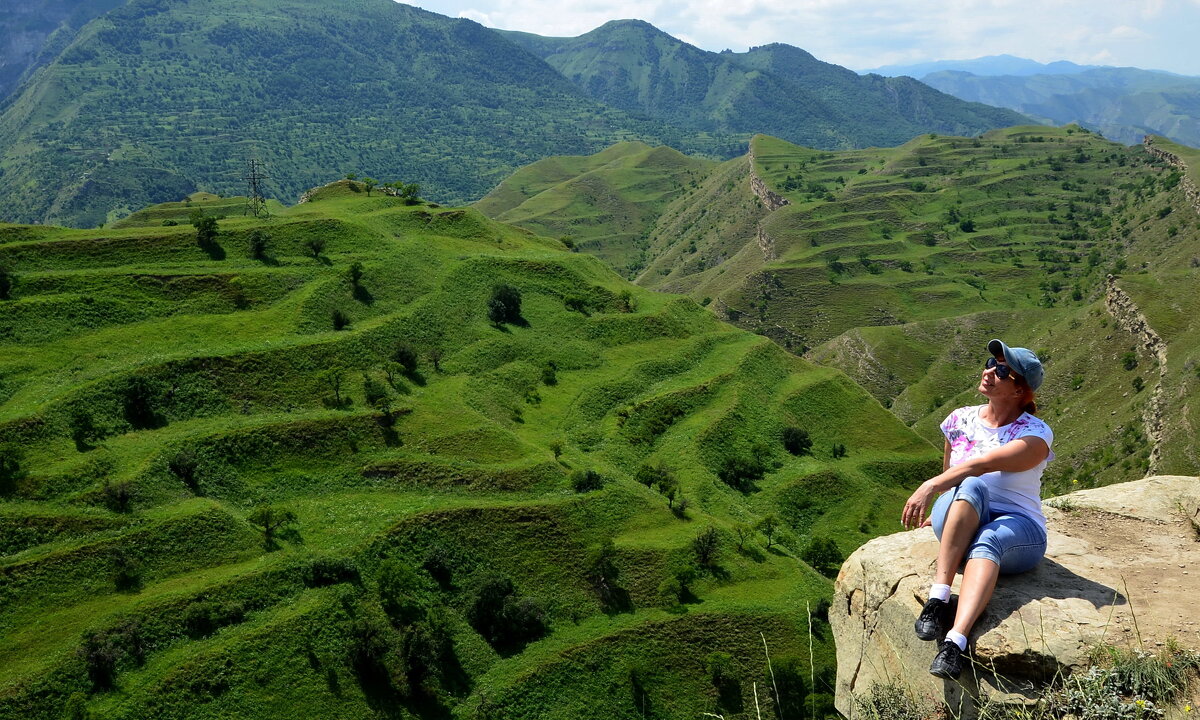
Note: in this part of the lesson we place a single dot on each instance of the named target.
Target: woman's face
(992, 385)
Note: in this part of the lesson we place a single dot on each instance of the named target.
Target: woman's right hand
(914, 510)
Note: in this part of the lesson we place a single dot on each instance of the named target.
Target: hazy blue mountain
(1124, 104)
(989, 65)
(776, 89)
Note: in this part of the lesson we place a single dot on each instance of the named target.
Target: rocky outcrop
(1123, 567)
(770, 199)
(1189, 187)
(1127, 315)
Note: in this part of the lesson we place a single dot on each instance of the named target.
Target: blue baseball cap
(1023, 361)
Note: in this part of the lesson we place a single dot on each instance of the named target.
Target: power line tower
(256, 204)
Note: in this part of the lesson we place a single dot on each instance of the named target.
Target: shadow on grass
(212, 249)
(363, 295)
(751, 552)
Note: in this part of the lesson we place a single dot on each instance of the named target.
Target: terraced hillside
(325, 461)
(896, 265)
(603, 204)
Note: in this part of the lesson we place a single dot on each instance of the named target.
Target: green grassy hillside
(315, 474)
(897, 265)
(602, 204)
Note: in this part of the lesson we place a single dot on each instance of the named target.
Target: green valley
(370, 457)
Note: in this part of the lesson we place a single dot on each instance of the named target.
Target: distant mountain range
(147, 102)
(988, 65)
(1123, 103)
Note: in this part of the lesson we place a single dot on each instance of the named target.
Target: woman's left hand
(914, 510)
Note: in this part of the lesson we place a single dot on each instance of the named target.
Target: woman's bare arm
(1016, 456)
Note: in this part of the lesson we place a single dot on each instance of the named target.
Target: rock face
(1122, 567)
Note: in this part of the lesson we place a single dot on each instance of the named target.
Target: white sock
(958, 639)
(941, 592)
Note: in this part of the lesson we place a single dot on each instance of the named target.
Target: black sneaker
(948, 662)
(934, 620)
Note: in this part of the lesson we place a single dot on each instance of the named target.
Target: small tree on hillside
(504, 306)
(316, 246)
(409, 192)
(369, 183)
(769, 526)
(405, 356)
(355, 273)
(796, 441)
(332, 379)
(824, 556)
(272, 522)
(705, 546)
(206, 227)
(259, 240)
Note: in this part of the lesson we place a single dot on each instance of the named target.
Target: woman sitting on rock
(990, 510)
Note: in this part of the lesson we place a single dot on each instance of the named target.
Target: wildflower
(1187, 708)
(1140, 703)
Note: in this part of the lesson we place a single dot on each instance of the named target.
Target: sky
(863, 34)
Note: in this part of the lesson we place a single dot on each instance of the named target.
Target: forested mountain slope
(159, 98)
(775, 89)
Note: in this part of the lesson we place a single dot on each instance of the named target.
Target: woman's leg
(979, 580)
(956, 529)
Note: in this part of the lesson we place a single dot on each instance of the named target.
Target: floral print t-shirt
(969, 437)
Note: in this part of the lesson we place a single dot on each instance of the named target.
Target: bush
(406, 357)
(503, 618)
(601, 572)
(550, 373)
(439, 563)
(705, 546)
(11, 471)
(102, 651)
(824, 556)
(204, 618)
(577, 303)
(340, 319)
(652, 474)
(583, 481)
(139, 398)
(838, 451)
(504, 306)
(84, 430)
(117, 497)
(126, 574)
(355, 273)
(316, 246)
(325, 571)
(185, 466)
(740, 472)
(428, 648)
(258, 244)
(376, 394)
(7, 282)
(399, 587)
(796, 441)
(1129, 360)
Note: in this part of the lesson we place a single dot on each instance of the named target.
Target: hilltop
(775, 89)
(897, 265)
(323, 460)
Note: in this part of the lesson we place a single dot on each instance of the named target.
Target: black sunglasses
(1002, 371)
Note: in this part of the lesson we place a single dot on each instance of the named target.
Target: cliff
(1120, 569)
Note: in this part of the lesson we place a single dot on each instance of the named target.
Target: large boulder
(1121, 568)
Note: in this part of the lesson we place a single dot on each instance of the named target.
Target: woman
(990, 510)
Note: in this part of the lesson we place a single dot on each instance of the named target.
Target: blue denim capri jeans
(1012, 540)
